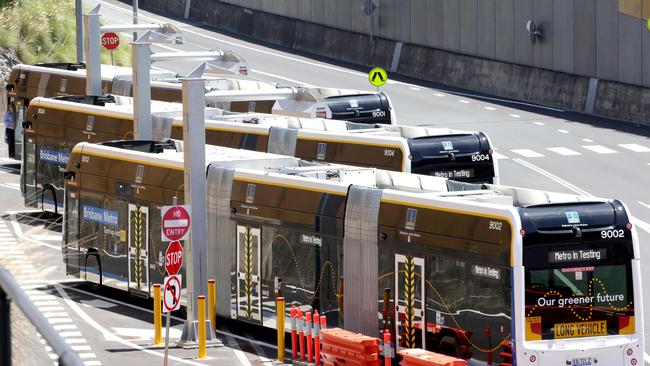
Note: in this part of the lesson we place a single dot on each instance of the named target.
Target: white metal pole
(141, 65)
(79, 9)
(93, 56)
(195, 196)
(135, 17)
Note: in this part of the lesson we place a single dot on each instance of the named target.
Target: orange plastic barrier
(420, 357)
(340, 347)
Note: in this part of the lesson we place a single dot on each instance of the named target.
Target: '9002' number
(496, 225)
(609, 234)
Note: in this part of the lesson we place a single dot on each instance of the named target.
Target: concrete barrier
(549, 88)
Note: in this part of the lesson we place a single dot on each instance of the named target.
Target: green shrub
(45, 31)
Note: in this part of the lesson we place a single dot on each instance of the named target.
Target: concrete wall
(605, 39)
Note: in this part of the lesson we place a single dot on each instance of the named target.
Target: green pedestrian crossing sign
(377, 76)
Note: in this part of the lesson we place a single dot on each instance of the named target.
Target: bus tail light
(628, 226)
(490, 151)
(522, 232)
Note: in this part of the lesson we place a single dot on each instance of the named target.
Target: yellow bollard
(212, 304)
(157, 315)
(280, 325)
(201, 309)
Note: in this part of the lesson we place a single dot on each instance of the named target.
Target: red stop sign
(173, 258)
(175, 223)
(110, 40)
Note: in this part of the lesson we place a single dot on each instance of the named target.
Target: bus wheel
(50, 189)
(449, 346)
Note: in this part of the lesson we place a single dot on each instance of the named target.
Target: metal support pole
(5, 328)
(93, 56)
(141, 65)
(135, 17)
(195, 196)
(79, 9)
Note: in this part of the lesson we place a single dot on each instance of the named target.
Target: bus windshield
(576, 291)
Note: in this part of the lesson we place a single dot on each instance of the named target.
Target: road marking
(59, 320)
(414, 88)
(255, 71)
(497, 155)
(588, 140)
(93, 363)
(552, 177)
(562, 131)
(600, 149)
(70, 334)
(490, 108)
(79, 348)
(463, 101)
(514, 115)
(563, 151)
(55, 314)
(65, 327)
(87, 355)
(527, 153)
(539, 123)
(644, 204)
(107, 334)
(634, 147)
(439, 95)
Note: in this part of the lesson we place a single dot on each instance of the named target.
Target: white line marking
(644, 204)
(490, 108)
(59, 314)
(65, 327)
(46, 303)
(497, 155)
(70, 334)
(10, 187)
(75, 340)
(463, 101)
(634, 147)
(80, 348)
(46, 237)
(87, 355)
(588, 140)
(439, 95)
(59, 320)
(255, 71)
(563, 151)
(646, 358)
(600, 149)
(50, 308)
(107, 334)
(414, 88)
(539, 123)
(514, 115)
(92, 363)
(562, 131)
(552, 177)
(527, 153)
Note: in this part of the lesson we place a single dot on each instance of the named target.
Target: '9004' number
(480, 157)
(609, 234)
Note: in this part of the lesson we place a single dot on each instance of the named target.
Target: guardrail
(11, 291)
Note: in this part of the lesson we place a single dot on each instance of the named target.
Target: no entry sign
(172, 293)
(173, 258)
(175, 222)
(110, 40)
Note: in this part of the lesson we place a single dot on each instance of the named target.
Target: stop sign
(110, 40)
(175, 222)
(173, 258)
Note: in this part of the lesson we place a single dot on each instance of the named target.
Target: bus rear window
(580, 293)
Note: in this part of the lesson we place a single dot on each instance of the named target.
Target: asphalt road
(537, 148)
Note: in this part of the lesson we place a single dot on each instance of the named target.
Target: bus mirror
(68, 175)
(577, 231)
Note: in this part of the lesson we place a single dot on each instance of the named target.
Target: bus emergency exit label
(175, 222)
(581, 329)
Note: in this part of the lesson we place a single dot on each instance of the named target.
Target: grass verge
(45, 31)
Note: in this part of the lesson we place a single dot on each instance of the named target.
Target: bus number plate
(496, 225)
(582, 361)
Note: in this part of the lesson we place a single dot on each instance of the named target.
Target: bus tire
(95, 254)
(449, 346)
(50, 188)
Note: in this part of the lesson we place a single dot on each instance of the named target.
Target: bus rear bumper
(625, 350)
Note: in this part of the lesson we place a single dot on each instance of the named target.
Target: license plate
(583, 361)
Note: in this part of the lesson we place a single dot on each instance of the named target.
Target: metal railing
(11, 291)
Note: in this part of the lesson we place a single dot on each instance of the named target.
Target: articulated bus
(477, 271)
(27, 82)
(54, 126)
